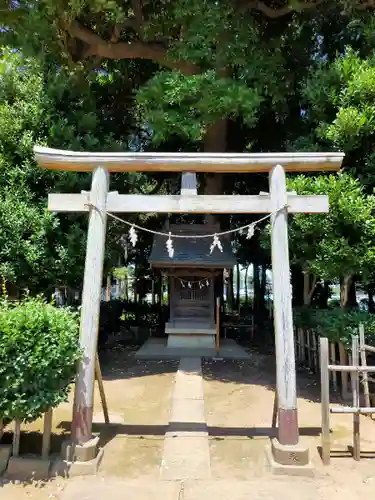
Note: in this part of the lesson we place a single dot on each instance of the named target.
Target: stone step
(191, 341)
(190, 329)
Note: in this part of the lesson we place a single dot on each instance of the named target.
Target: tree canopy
(191, 75)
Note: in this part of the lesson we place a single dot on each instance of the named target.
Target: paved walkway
(186, 453)
(271, 489)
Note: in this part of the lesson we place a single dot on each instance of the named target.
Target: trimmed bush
(39, 348)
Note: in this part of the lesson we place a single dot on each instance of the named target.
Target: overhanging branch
(126, 50)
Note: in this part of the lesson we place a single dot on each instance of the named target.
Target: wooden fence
(359, 371)
(307, 355)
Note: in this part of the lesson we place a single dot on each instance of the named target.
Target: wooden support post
(217, 325)
(153, 291)
(99, 378)
(355, 393)
(344, 375)
(47, 430)
(362, 349)
(324, 383)
(275, 411)
(16, 438)
(92, 283)
(283, 316)
(108, 289)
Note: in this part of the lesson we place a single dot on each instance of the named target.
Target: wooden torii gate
(100, 164)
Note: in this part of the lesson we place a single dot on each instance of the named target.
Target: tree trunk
(246, 287)
(345, 284)
(352, 295)
(238, 286)
(262, 294)
(230, 292)
(257, 291)
(297, 285)
(215, 141)
(371, 305)
(322, 294)
(309, 283)
(126, 285)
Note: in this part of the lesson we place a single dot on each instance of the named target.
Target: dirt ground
(138, 396)
(239, 401)
(238, 405)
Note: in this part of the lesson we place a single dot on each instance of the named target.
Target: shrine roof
(192, 251)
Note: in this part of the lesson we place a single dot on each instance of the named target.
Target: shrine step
(177, 328)
(191, 341)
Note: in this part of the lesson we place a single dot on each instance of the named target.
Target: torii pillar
(285, 451)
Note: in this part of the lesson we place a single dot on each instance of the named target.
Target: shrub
(338, 325)
(39, 348)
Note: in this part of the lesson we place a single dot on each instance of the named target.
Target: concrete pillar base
(66, 468)
(27, 468)
(72, 452)
(289, 460)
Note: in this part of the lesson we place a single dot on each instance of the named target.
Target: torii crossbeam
(100, 164)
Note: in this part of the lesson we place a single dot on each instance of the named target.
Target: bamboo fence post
(47, 430)
(344, 375)
(355, 394)
(333, 362)
(315, 352)
(98, 374)
(362, 349)
(16, 438)
(324, 382)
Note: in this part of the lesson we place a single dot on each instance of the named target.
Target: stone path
(186, 451)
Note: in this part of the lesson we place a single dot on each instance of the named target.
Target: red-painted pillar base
(82, 424)
(288, 427)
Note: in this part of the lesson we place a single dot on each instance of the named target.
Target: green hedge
(39, 348)
(336, 324)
